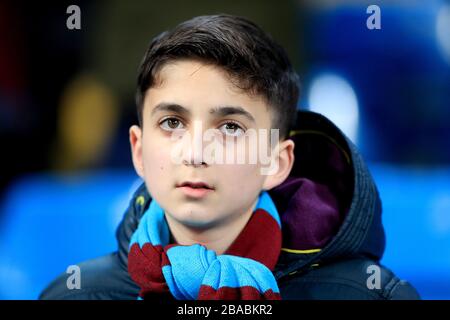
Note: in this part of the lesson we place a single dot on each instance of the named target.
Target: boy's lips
(195, 189)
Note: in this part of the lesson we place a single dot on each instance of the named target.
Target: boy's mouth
(195, 189)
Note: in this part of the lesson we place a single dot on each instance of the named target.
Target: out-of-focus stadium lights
(439, 209)
(443, 30)
(333, 96)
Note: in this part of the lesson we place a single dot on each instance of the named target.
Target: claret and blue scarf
(193, 272)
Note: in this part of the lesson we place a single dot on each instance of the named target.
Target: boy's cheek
(237, 174)
(156, 161)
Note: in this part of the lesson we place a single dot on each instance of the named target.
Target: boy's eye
(231, 129)
(171, 124)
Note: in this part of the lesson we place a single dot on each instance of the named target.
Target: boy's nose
(193, 148)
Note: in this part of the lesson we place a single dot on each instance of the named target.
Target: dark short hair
(252, 59)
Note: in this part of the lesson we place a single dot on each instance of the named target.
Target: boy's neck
(218, 238)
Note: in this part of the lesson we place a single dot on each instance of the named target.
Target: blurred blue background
(66, 102)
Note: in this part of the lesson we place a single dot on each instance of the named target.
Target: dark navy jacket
(333, 238)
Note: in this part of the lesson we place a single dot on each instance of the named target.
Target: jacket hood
(329, 205)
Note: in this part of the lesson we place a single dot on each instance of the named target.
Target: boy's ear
(136, 149)
(283, 158)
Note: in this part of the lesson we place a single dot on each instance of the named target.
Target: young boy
(228, 209)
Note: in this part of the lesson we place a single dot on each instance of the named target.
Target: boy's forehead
(192, 83)
(185, 71)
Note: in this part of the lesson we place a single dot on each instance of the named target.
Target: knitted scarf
(192, 272)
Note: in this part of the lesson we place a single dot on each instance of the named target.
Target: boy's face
(190, 99)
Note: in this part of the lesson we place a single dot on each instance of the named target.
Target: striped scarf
(193, 272)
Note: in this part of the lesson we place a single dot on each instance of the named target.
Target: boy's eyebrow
(220, 111)
(172, 107)
(223, 111)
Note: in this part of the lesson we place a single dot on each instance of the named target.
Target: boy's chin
(198, 221)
